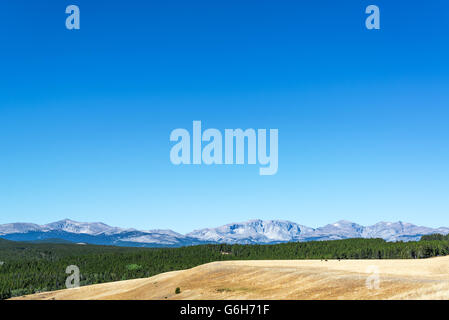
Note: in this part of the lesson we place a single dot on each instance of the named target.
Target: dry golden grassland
(280, 279)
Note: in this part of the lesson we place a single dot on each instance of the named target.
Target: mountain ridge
(254, 231)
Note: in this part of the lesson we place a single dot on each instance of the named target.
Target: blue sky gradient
(85, 115)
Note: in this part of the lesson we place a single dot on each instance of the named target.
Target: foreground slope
(280, 279)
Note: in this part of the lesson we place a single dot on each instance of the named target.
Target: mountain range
(249, 232)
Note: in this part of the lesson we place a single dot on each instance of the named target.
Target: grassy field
(281, 279)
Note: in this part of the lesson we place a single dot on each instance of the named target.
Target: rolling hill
(279, 279)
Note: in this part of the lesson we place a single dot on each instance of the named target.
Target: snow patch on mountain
(253, 231)
(18, 228)
(92, 228)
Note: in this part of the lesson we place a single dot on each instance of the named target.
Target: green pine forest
(27, 268)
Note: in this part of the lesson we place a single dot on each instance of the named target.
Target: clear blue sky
(85, 116)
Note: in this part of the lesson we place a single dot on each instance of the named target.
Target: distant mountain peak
(72, 226)
(255, 231)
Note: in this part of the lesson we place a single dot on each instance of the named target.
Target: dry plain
(280, 279)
